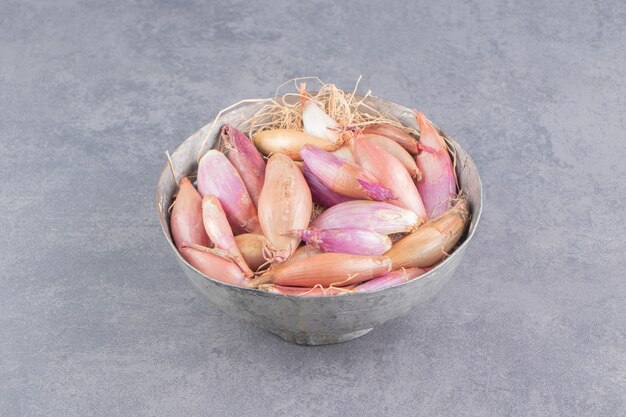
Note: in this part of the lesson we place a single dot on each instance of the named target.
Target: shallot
(246, 159)
(186, 218)
(432, 241)
(438, 183)
(344, 177)
(325, 269)
(214, 266)
(218, 177)
(251, 247)
(394, 149)
(391, 173)
(220, 233)
(396, 277)
(285, 204)
(320, 192)
(407, 141)
(377, 216)
(354, 241)
(289, 142)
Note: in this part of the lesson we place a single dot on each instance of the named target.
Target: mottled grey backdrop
(96, 318)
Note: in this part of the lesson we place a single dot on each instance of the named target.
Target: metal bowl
(315, 320)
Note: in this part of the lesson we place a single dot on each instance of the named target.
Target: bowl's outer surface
(315, 320)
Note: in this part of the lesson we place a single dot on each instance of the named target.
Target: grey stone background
(96, 318)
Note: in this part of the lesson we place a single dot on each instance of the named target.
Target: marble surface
(97, 319)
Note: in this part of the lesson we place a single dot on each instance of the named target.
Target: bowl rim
(475, 219)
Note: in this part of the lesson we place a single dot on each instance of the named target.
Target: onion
(220, 233)
(407, 141)
(344, 177)
(289, 142)
(377, 216)
(434, 240)
(396, 151)
(354, 241)
(438, 184)
(325, 269)
(218, 177)
(246, 159)
(388, 280)
(391, 173)
(317, 123)
(214, 266)
(285, 204)
(251, 247)
(186, 218)
(320, 192)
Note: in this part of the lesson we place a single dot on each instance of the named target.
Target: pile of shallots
(314, 211)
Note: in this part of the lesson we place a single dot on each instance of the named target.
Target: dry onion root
(330, 148)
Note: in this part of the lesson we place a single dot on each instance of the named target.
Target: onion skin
(344, 177)
(391, 174)
(285, 204)
(405, 140)
(213, 266)
(325, 269)
(397, 151)
(438, 184)
(431, 242)
(251, 247)
(396, 277)
(289, 142)
(186, 217)
(353, 241)
(380, 217)
(320, 192)
(218, 177)
(304, 291)
(219, 231)
(246, 159)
